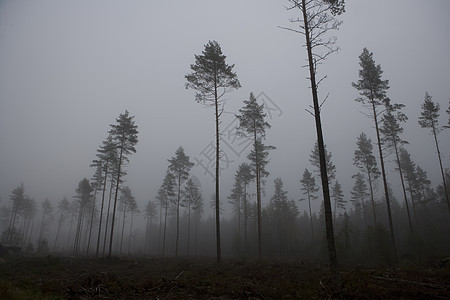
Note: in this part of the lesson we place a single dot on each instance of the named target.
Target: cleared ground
(201, 278)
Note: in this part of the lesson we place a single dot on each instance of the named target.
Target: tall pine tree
(212, 78)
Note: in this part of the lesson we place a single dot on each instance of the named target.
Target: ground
(200, 278)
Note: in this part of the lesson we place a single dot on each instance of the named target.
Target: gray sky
(69, 68)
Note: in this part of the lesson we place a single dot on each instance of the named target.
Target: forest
(394, 215)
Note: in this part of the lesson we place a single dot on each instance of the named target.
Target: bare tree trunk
(115, 201)
(165, 227)
(386, 191)
(372, 197)
(178, 216)
(189, 227)
(131, 227)
(123, 227)
(107, 216)
(442, 169)
(92, 222)
(403, 188)
(219, 251)
(323, 167)
(57, 231)
(101, 213)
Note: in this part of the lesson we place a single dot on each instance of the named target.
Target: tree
(83, 195)
(314, 159)
(359, 194)
(317, 19)
(429, 119)
(391, 130)
(365, 160)
(212, 78)
(252, 125)
(63, 208)
(309, 188)
(106, 161)
(409, 168)
(372, 90)
(133, 209)
(17, 199)
(127, 201)
(422, 183)
(197, 207)
(150, 214)
(165, 193)
(338, 196)
(283, 213)
(124, 136)
(29, 210)
(235, 200)
(180, 167)
(192, 194)
(47, 211)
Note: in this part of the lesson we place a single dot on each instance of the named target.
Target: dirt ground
(201, 278)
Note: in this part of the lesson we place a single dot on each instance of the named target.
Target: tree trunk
(219, 251)
(115, 200)
(107, 215)
(131, 227)
(442, 169)
(323, 167)
(386, 191)
(258, 194)
(245, 220)
(403, 188)
(57, 231)
(101, 212)
(92, 222)
(123, 227)
(189, 225)
(165, 226)
(178, 216)
(371, 196)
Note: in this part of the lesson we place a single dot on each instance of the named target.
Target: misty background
(69, 68)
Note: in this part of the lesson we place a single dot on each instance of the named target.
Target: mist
(69, 69)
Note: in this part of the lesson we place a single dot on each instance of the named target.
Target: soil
(201, 278)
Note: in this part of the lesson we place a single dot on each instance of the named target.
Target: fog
(69, 68)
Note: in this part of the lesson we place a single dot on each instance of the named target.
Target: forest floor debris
(200, 278)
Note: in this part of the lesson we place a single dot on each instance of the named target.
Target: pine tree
(409, 169)
(317, 19)
(252, 125)
(212, 78)
(365, 160)
(359, 194)
(391, 130)
(107, 161)
(17, 199)
(165, 194)
(83, 196)
(64, 209)
(192, 195)
(309, 188)
(180, 166)
(124, 136)
(373, 91)
(279, 208)
(314, 159)
(429, 119)
(126, 202)
(150, 214)
(47, 211)
(338, 196)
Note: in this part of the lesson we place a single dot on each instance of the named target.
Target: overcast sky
(69, 68)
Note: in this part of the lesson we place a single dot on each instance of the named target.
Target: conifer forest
(241, 150)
